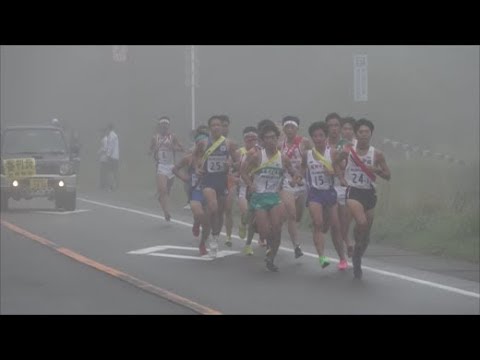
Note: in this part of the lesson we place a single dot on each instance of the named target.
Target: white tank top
(165, 149)
(269, 178)
(318, 176)
(354, 175)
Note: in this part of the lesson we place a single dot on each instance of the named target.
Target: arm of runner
(251, 162)
(236, 164)
(340, 156)
(176, 145)
(338, 163)
(197, 160)
(184, 162)
(232, 148)
(234, 157)
(305, 145)
(333, 154)
(297, 178)
(304, 164)
(381, 167)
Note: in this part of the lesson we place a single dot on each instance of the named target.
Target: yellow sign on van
(19, 168)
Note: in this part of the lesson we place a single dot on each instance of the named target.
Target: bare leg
(212, 210)
(316, 213)
(276, 216)
(162, 190)
(200, 217)
(345, 219)
(229, 214)
(288, 200)
(335, 231)
(360, 233)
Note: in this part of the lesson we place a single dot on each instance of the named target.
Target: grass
(431, 207)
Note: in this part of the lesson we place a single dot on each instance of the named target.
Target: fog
(425, 95)
(423, 101)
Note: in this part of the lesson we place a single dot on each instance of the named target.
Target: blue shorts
(216, 182)
(322, 197)
(197, 195)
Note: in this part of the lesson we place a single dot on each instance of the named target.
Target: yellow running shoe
(247, 250)
(242, 231)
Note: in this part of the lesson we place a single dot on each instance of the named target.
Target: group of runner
(273, 177)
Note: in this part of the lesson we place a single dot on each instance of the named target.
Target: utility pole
(192, 80)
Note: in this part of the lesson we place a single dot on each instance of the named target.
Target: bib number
(216, 164)
(318, 180)
(358, 178)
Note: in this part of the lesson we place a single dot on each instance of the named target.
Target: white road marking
(62, 212)
(155, 251)
(378, 271)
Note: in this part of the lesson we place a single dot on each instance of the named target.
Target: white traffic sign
(360, 78)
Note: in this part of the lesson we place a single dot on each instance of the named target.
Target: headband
(290, 122)
(200, 137)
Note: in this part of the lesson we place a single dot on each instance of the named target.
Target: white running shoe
(213, 246)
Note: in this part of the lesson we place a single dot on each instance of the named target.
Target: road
(117, 255)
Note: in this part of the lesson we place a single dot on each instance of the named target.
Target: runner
(232, 179)
(250, 138)
(257, 150)
(322, 198)
(197, 201)
(347, 132)
(163, 146)
(333, 121)
(186, 186)
(348, 137)
(213, 170)
(364, 162)
(293, 147)
(334, 141)
(267, 167)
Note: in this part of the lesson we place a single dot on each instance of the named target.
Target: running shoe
(271, 266)
(298, 252)
(242, 231)
(247, 250)
(323, 261)
(343, 265)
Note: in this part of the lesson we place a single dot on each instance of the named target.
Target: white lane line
(378, 271)
(62, 212)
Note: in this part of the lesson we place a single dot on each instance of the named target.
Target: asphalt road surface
(116, 255)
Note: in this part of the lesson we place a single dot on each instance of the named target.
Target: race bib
(269, 184)
(216, 164)
(165, 157)
(359, 178)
